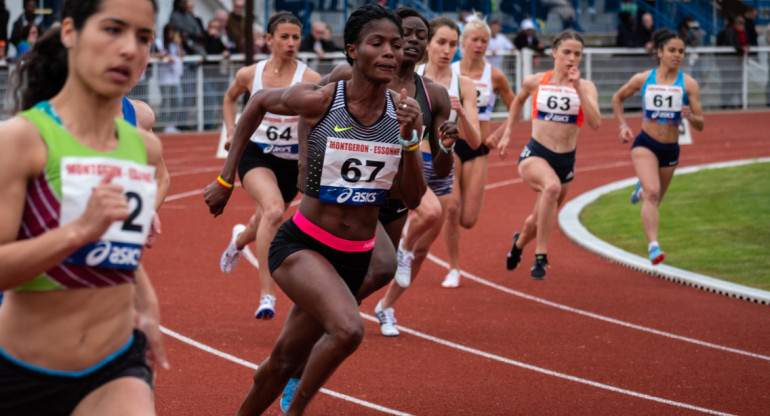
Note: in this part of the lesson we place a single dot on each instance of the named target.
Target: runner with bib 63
(561, 103)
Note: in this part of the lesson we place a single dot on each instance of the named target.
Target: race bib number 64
(121, 245)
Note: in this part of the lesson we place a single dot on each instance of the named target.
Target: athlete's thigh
(474, 179)
(646, 166)
(383, 252)
(262, 185)
(666, 175)
(312, 283)
(536, 173)
(125, 396)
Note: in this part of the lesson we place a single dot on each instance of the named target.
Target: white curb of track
(569, 221)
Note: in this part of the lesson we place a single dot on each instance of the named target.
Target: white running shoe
(387, 320)
(404, 270)
(231, 255)
(266, 308)
(452, 279)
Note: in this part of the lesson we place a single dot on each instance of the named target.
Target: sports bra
(663, 103)
(61, 193)
(556, 103)
(349, 163)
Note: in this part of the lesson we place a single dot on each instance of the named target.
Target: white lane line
(597, 316)
(554, 304)
(248, 364)
(549, 372)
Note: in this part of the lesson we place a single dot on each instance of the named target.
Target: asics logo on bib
(663, 114)
(356, 196)
(556, 117)
(117, 256)
(338, 129)
(99, 253)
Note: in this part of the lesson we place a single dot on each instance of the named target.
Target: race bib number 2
(121, 245)
(358, 172)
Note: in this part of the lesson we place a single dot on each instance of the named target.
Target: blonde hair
(476, 22)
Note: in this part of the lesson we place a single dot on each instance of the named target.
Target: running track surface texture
(593, 338)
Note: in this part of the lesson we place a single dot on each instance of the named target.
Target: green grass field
(714, 222)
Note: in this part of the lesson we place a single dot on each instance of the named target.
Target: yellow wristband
(224, 183)
(411, 148)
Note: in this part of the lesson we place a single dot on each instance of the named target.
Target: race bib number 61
(121, 245)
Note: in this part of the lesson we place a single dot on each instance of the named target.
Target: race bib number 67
(357, 172)
(121, 245)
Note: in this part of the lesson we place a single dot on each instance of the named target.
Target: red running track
(592, 339)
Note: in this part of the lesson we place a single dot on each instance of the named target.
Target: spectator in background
(644, 32)
(187, 26)
(526, 38)
(734, 35)
(26, 18)
(260, 44)
(221, 17)
(318, 40)
(629, 6)
(29, 35)
(212, 39)
(498, 42)
(191, 12)
(236, 21)
(627, 34)
(689, 30)
(169, 49)
(752, 37)
(5, 17)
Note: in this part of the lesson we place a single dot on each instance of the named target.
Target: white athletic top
(485, 94)
(454, 88)
(277, 134)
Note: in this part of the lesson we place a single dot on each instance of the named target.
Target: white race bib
(483, 92)
(663, 102)
(121, 245)
(277, 134)
(358, 172)
(557, 103)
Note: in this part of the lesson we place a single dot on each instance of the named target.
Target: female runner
(268, 168)
(421, 231)
(76, 206)
(668, 96)
(359, 136)
(561, 103)
(470, 171)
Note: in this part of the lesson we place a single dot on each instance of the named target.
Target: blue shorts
(27, 390)
(667, 153)
(285, 170)
(439, 186)
(561, 163)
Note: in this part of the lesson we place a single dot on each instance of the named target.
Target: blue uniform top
(129, 114)
(663, 103)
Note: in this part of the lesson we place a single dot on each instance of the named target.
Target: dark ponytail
(42, 71)
(661, 37)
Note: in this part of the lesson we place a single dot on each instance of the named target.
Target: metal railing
(195, 101)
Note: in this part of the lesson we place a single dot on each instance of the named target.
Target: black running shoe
(514, 257)
(538, 269)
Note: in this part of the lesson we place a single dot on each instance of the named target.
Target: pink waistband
(326, 238)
